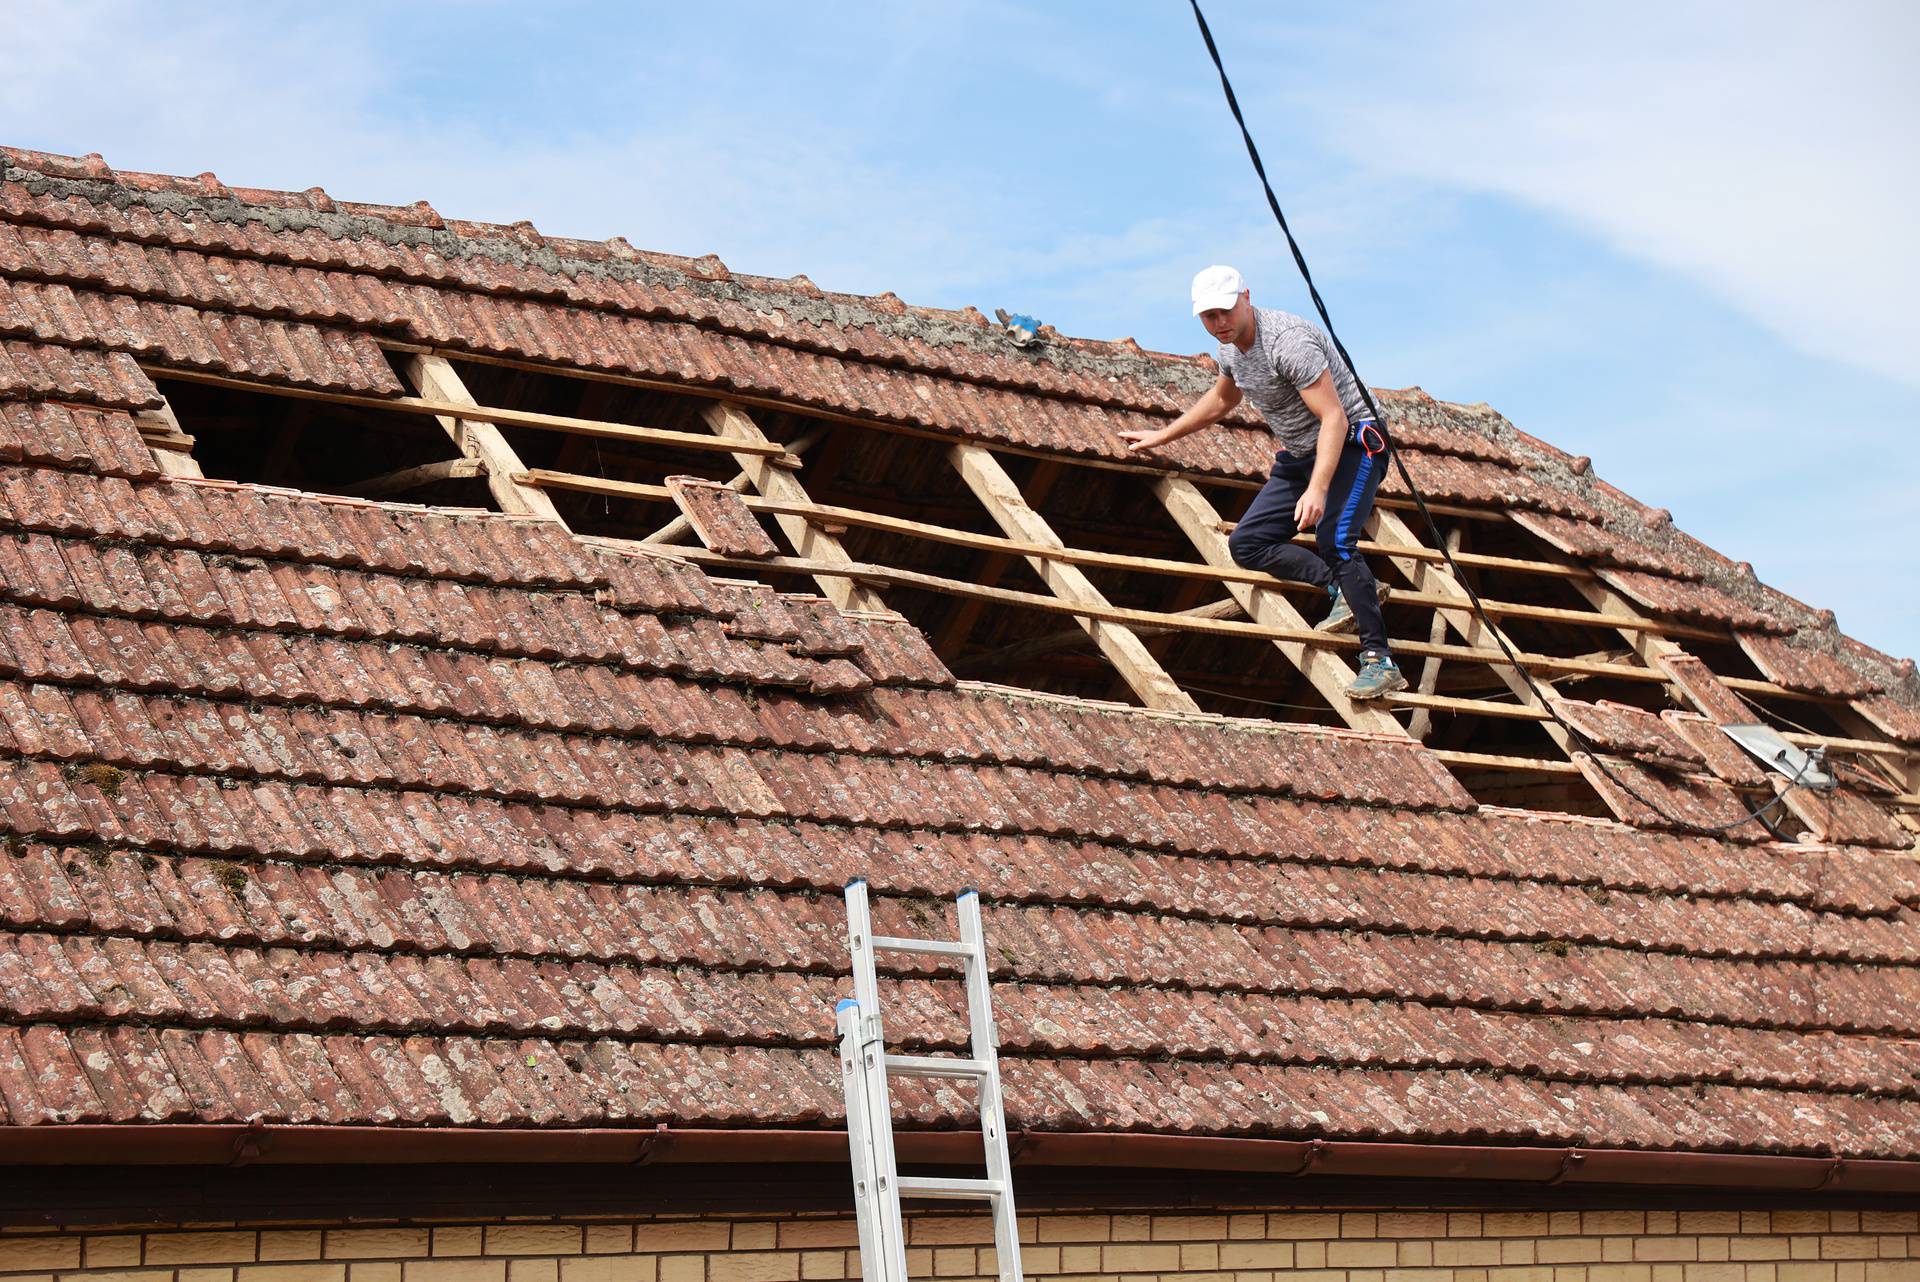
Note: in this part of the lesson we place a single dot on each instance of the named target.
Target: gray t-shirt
(1289, 352)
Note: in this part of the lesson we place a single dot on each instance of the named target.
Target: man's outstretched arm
(1214, 404)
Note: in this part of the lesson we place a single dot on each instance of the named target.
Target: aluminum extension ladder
(864, 1066)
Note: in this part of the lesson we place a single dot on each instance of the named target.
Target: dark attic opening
(1080, 576)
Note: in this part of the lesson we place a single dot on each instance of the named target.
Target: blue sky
(1675, 237)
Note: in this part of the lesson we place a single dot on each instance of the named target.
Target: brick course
(1387, 1245)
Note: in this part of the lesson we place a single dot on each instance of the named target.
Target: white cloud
(1763, 150)
(696, 155)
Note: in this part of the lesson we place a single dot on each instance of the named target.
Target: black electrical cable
(1574, 732)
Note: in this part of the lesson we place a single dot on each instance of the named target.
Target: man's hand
(1214, 404)
(1311, 507)
(1146, 438)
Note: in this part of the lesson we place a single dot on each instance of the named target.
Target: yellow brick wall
(1249, 1246)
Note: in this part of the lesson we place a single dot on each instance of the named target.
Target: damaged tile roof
(333, 812)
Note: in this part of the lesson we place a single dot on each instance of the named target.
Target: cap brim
(1215, 302)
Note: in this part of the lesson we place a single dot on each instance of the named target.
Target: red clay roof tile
(720, 518)
(1634, 732)
(1799, 667)
(1701, 602)
(1891, 717)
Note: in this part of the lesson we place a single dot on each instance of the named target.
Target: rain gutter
(244, 1145)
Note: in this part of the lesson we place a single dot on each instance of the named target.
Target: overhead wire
(1574, 733)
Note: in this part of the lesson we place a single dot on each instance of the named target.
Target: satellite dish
(1765, 744)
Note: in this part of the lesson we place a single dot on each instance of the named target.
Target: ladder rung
(938, 947)
(936, 1066)
(937, 1186)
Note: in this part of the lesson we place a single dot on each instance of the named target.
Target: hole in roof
(267, 439)
(899, 504)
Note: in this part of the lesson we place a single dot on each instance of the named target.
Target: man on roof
(1330, 458)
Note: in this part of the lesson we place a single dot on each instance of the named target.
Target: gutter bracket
(249, 1144)
(1568, 1165)
(1316, 1149)
(651, 1144)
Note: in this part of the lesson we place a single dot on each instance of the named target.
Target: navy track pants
(1263, 540)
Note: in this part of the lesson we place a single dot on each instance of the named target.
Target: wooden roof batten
(768, 483)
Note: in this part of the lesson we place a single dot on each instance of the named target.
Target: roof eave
(164, 1144)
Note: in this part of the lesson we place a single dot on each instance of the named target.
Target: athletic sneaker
(1378, 675)
(1340, 617)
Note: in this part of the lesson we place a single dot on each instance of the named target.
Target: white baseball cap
(1217, 287)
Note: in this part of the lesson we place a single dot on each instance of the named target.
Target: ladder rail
(868, 1189)
(870, 1069)
(985, 1036)
(865, 1066)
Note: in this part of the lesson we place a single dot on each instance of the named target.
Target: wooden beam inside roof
(471, 411)
(828, 516)
(479, 440)
(1423, 703)
(412, 478)
(1493, 761)
(1429, 681)
(1327, 672)
(766, 473)
(680, 527)
(1009, 509)
(778, 405)
(881, 575)
(1189, 596)
(1843, 743)
(172, 447)
(1068, 638)
(1437, 580)
(959, 624)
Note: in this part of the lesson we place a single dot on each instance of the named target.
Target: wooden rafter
(1436, 580)
(959, 625)
(1009, 509)
(1327, 672)
(412, 478)
(479, 439)
(1492, 761)
(1421, 724)
(766, 470)
(1651, 647)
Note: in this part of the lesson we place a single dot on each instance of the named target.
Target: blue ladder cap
(968, 891)
(843, 1003)
(857, 881)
